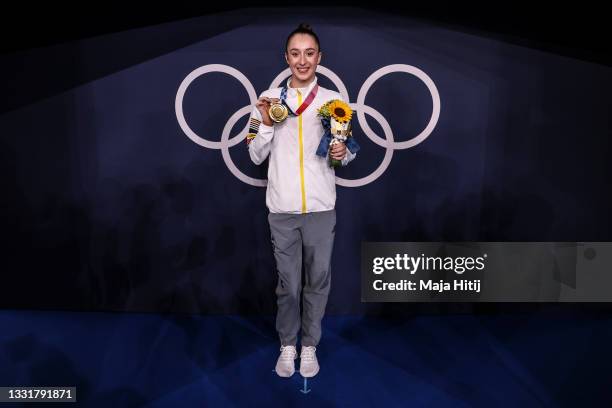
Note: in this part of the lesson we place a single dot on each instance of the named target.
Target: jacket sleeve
(259, 138)
(348, 158)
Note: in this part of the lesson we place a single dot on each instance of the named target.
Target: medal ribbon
(304, 104)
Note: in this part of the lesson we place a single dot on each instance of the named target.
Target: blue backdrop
(109, 205)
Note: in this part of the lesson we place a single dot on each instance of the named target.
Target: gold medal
(278, 112)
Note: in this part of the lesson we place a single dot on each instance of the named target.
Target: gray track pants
(310, 237)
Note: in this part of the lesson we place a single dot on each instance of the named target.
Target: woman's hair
(303, 29)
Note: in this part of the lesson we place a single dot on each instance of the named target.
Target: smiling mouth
(303, 69)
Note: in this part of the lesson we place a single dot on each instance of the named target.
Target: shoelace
(308, 353)
(287, 353)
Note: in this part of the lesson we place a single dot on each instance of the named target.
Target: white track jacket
(299, 181)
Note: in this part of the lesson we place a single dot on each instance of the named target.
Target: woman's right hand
(263, 105)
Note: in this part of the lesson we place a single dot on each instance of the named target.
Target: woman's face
(303, 56)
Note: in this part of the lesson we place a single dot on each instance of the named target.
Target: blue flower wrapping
(322, 150)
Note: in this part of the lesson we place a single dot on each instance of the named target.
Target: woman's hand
(263, 105)
(338, 151)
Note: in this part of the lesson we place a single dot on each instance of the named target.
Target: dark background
(544, 146)
(577, 29)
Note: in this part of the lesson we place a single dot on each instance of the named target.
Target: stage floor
(156, 360)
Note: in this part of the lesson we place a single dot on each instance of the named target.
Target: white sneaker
(285, 367)
(309, 366)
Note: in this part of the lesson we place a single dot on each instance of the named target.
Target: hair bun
(306, 29)
(304, 26)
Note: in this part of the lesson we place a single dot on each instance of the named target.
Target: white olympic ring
(388, 142)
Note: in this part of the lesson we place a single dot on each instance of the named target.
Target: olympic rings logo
(360, 107)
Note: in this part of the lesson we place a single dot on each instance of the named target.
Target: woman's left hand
(338, 151)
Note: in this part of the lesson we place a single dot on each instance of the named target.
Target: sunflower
(340, 111)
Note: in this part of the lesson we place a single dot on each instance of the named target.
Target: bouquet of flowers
(336, 120)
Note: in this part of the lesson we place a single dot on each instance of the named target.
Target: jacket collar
(305, 91)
